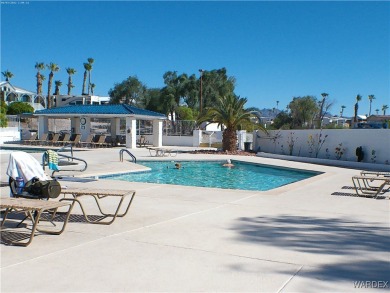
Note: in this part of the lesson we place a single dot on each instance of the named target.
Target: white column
(115, 128)
(131, 135)
(43, 125)
(84, 127)
(196, 138)
(157, 133)
(241, 139)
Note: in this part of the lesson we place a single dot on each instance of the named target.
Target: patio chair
(32, 139)
(65, 140)
(88, 142)
(371, 186)
(142, 142)
(76, 140)
(101, 141)
(42, 140)
(54, 140)
(24, 171)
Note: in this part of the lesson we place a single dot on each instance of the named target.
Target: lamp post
(201, 79)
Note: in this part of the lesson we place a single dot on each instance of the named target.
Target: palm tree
(92, 88)
(321, 115)
(370, 97)
(228, 111)
(87, 68)
(90, 62)
(377, 111)
(384, 108)
(342, 110)
(70, 85)
(277, 104)
(58, 84)
(7, 74)
(358, 99)
(53, 68)
(39, 66)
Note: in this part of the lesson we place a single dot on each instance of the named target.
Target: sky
(275, 50)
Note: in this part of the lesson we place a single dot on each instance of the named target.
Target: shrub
(19, 108)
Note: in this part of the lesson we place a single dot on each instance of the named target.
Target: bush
(3, 116)
(19, 108)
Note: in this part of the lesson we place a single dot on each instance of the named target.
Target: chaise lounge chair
(371, 185)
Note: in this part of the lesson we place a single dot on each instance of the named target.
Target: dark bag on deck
(43, 188)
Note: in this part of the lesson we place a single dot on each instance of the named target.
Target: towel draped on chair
(52, 159)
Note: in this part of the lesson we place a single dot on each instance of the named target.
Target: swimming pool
(244, 176)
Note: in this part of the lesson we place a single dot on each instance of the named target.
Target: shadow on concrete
(313, 234)
(332, 236)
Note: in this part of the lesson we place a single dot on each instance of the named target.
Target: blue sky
(275, 50)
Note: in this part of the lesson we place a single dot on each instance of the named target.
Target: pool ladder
(133, 158)
(69, 158)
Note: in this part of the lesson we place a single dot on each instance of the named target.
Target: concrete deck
(296, 238)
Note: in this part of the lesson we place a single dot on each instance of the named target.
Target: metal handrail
(134, 159)
(70, 158)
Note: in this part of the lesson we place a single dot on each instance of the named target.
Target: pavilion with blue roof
(80, 117)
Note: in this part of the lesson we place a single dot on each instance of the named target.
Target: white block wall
(369, 139)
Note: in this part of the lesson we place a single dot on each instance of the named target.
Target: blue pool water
(243, 176)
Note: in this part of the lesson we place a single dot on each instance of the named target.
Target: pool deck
(309, 236)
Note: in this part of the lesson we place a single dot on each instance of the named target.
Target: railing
(70, 158)
(134, 159)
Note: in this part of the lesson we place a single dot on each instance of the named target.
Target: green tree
(53, 68)
(70, 85)
(356, 108)
(384, 108)
(3, 114)
(174, 90)
(321, 112)
(39, 66)
(58, 84)
(92, 88)
(282, 121)
(303, 111)
(184, 113)
(152, 100)
(216, 84)
(370, 98)
(90, 62)
(229, 112)
(16, 108)
(342, 110)
(88, 68)
(130, 91)
(7, 74)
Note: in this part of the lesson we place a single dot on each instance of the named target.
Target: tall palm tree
(370, 98)
(384, 108)
(342, 110)
(228, 111)
(321, 114)
(377, 111)
(53, 68)
(90, 62)
(7, 74)
(39, 66)
(70, 85)
(277, 104)
(92, 88)
(58, 84)
(87, 68)
(358, 99)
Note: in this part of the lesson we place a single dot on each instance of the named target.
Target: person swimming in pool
(177, 166)
(228, 164)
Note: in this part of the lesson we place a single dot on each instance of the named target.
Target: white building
(11, 93)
